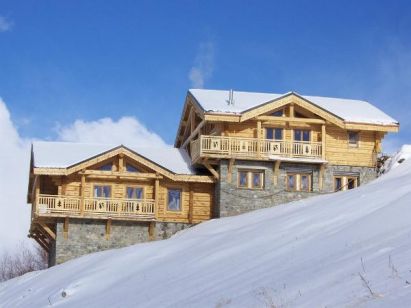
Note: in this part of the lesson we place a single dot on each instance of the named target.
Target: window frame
(250, 179)
(357, 140)
(108, 165)
(274, 130)
(302, 135)
(277, 111)
(341, 184)
(102, 185)
(355, 178)
(344, 182)
(168, 199)
(134, 187)
(297, 182)
(127, 164)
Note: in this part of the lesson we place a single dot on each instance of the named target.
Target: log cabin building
(234, 152)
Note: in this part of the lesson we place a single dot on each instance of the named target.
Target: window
(291, 179)
(251, 179)
(174, 200)
(338, 183)
(274, 133)
(131, 168)
(106, 167)
(134, 192)
(298, 182)
(278, 113)
(305, 182)
(345, 182)
(301, 135)
(353, 138)
(351, 182)
(243, 179)
(102, 191)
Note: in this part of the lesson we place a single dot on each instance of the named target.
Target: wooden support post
(321, 177)
(292, 113)
(258, 139)
(121, 162)
(230, 170)
(156, 196)
(192, 122)
(37, 190)
(211, 169)
(47, 229)
(193, 134)
(190, 204)
(276, 172)
(66, 228)
(152, 231)
(323, 136)
(42, 243)
(82, 189)
(108, 229)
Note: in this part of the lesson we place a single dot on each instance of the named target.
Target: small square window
(298, 182)
(353, 138)
(174, 200)
(251, 179)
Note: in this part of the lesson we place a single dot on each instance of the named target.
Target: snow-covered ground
(346, 249)
(398, 158)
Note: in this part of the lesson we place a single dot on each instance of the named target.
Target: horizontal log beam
(290, 119)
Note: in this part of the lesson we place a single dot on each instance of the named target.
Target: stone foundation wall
(87, 236)
(231, 200)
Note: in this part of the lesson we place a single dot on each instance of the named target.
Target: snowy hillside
(346, 249)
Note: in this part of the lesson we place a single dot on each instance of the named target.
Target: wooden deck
(253, 148)
(101, 208)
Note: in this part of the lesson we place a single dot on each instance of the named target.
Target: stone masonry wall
(86, 236)
(231, 200)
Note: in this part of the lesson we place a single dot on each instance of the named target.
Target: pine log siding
(196, 198)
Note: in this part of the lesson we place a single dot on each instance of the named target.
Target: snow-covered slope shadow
(346, 249)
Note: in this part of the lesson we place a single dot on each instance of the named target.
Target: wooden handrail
(49, 205)
(254, 148)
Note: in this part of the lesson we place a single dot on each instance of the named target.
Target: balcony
(103, 208)
(253, 148)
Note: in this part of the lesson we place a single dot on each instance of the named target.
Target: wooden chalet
(234, 152)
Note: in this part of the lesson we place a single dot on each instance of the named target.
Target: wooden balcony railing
(58, 205)
(221, 146)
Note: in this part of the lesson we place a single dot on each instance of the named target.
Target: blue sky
(67, 60)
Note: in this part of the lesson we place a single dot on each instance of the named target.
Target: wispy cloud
(203, 65)
(127, 131)
(5, 25)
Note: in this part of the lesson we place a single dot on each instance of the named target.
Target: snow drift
(351, 248)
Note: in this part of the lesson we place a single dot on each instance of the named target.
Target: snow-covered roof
(66, 154)
(350, 110)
